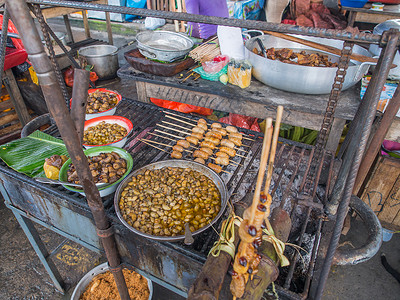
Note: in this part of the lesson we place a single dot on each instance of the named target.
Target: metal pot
(163, 45)
(181, 164)
(103, 58)
(302, 79)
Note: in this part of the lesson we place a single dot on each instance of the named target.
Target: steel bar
(59, 111)
(385, 61)
(3, 43)
(79, 99)
(249, 24)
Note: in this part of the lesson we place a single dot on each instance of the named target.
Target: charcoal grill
(175, 262)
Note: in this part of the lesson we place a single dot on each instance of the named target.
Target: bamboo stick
(279, 113)
(164, 137)
(173, 124)
(261, 171)
(162, 144)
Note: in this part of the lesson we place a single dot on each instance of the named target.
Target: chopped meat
(302, 20)
(336, 21)
(320, 9)
(318, 22)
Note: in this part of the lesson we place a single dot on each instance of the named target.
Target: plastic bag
(153, 23)
(239, 73)
(182, 107)
(241, 121)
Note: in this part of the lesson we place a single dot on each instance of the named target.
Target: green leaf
(27, 155)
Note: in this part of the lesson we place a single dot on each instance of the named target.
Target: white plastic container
(84, 282)
(394, 74)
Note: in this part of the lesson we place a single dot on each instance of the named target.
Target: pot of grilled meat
(159, 199)
(297, 68)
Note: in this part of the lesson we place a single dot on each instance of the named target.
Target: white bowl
(109, 112)
(124, 122)
(84, 282)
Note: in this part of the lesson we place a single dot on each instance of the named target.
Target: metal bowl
(181, 164)
(163, 45)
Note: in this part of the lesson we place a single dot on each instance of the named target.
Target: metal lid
(380, 28)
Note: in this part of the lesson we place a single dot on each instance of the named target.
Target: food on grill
(236, 141)
(231, 152)
(201, 154)
(99, 101)
(313, 59)
(216, 168)
(214, 134)
(207, 145)
(176, 154)
(160, 202)
(198, 135)
(105, 168)
(216, 125)
(222, 154)
(193, 140)
(207, 150)
(202, 121)
(53, 164)
(185, 144)
(177, 148)
(200, 160)
(202, 126)
(104, 133)
(227, 143)
(222, 160)
(213, 140)
(235, 135)
(198, 130)
(221, 131)
(103, 286)
(231, 129)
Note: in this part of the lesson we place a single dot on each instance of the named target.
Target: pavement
(22, 276)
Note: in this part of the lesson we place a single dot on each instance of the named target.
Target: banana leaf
(27, 155)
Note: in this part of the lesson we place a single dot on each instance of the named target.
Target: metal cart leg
(40, 249)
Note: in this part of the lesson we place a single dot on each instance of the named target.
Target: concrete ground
(22, 276)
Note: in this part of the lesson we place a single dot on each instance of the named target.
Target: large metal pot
(163, 45)
(181, 164)
(103, 58)
(297, 78)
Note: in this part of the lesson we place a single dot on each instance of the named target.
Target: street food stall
(310, 189)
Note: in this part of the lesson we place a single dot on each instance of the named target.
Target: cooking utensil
(302, 79)
(163, 45)
(181, 164)
(326, 48)
(103, 58)
(188, 235)
(53, 181)
(261, 45)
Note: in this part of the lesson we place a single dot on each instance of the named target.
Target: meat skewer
(174, 154)
(176, 147)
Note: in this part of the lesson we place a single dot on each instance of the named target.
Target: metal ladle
(53, 181)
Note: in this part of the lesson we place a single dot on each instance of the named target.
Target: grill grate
(291, 166)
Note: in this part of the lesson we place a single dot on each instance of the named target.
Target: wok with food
(156, 201)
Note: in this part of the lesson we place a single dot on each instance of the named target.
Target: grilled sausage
(202, 126)
(214, 134)
(222, 154)
(236, 135)
(221, 131)
(201, 154)
(185, 144)
(202, 121)
(197, 135)
(207, 150)
(231, 152)
(215, 167)
(177, 148)
(213, 140)
(193, 140)
(207, 144)
(216, 125)
(227, 143)
(200, 160)
(176, 154)
(222, 160)
(237, 142)
(198, 130)
(231, 129)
